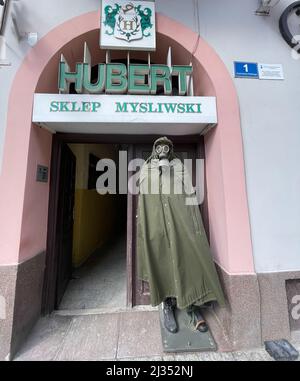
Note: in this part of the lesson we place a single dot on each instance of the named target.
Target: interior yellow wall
(94, 215)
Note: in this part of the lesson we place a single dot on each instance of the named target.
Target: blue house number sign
(246, 70)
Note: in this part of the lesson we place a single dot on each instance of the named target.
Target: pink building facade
(257, 298)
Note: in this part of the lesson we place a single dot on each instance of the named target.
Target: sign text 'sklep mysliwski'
(128, 107)
(99, 112)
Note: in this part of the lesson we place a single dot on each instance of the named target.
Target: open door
(65, 220)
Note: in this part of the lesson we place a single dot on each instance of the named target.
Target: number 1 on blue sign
(245, 69)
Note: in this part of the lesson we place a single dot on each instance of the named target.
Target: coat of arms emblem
(128, 21)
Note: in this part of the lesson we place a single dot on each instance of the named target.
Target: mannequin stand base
(187, 339)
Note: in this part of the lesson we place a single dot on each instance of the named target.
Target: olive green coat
(173, 253)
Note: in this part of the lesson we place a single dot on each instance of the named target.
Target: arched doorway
(26, 145)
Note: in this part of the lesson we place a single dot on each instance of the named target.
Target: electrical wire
(197, 26)
(6, 5)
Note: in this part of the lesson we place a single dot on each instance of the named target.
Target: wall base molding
(21, 287)
(257, 308)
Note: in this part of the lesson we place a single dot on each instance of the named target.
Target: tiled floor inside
(101, 281)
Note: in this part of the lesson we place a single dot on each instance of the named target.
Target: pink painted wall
(35, 210)
(24, 202)
(227, 197)
(23, 225)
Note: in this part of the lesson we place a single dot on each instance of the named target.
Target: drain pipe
(6, 5)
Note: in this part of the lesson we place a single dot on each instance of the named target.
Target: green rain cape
(173, 253)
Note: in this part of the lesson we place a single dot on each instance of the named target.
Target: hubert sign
(128, 25)
(116, 79)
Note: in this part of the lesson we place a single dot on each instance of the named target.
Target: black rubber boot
(169, 306)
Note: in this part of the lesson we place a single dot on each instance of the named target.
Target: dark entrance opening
(91, 272)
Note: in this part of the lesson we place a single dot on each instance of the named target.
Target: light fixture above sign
(128, 25)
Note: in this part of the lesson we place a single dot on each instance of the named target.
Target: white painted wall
(270, 110)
